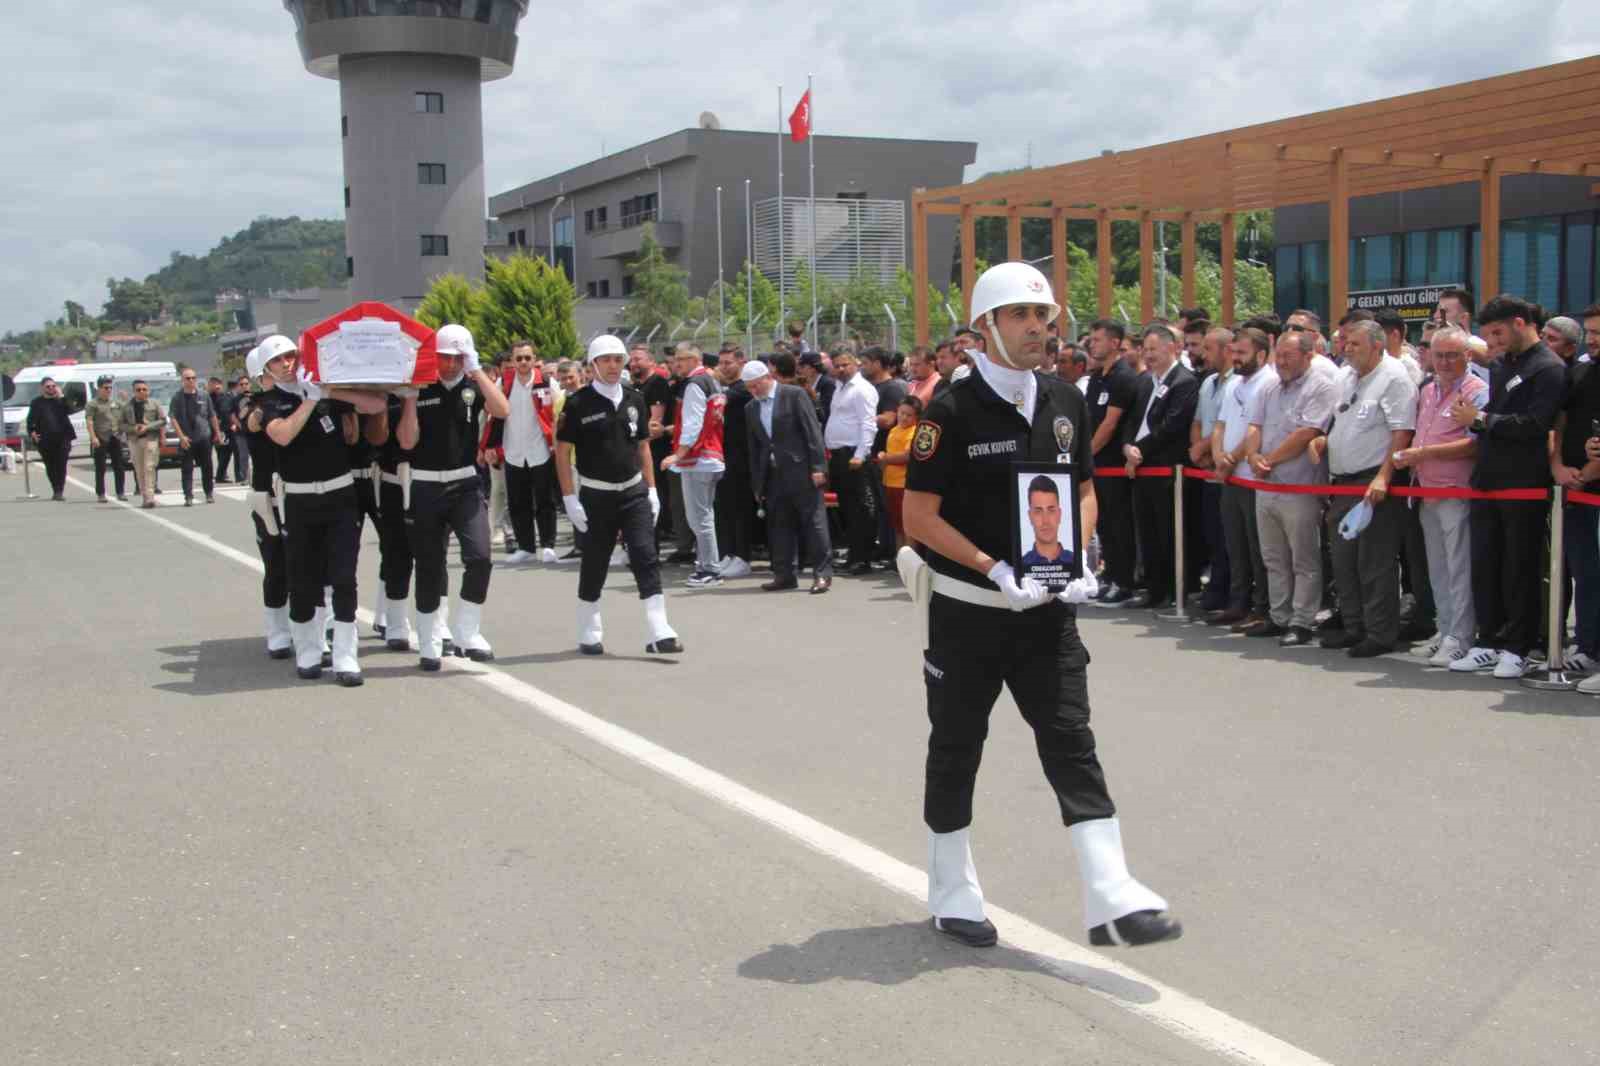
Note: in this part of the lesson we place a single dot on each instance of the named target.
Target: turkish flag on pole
(800, 119)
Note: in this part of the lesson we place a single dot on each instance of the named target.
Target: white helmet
(274, 346)
(1011, 283)
(455, 340)
(254, 365)
(606, 344)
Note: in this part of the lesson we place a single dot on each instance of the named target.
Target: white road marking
(1177, 1012)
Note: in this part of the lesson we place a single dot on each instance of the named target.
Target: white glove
(406, 393)
(1080, 591)
(308, 388)
(576, 513)
(1019, 595)
(655, 504)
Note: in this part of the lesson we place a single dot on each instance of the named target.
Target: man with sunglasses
(50, 429)
(142, 420)
(103, 419)
(523, 445)
(194, 419)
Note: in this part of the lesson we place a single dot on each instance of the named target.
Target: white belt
(364, 474)
(945, 585)
(295, 488)
(391, 479)
(609, 486)
(460, 473)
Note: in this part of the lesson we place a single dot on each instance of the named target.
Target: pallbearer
(264, 512)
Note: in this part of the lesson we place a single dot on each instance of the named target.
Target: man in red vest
(697, 460)
(524, 442)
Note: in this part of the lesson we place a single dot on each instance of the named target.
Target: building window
(344, 125)
(1286, 277)
(1374, 262)
(430, 103)
(564, 246)
(588, 225)
(852, 196)
(638, 210)
(600, 218)
(349, 266)
(347, 196)
(1579, 281)
(627, 285)
(435, 244)
(1436, 257)
(592, 289)
(605, 289)
(430, 173)
(1530, 258)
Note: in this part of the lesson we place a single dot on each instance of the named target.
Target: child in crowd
(893, 460)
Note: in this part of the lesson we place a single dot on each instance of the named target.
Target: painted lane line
(1178, 1013)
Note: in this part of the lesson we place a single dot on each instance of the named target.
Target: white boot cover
(443, 624)
(307, 642)
(344, 648)
(430, 642)
(380, 611)
(589, 629)
(655, 619)
(1109, 891)
(278, 634)
(468, 622)
(324, 620)
(953, 889)
(397, 622)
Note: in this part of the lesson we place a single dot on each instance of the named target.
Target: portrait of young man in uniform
(1046, 558)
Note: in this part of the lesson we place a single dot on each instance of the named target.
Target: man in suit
(1158, 435)
(787, 470)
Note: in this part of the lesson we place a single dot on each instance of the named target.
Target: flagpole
(811, 158)
(780, 212)
(749, 273)
(722, 302)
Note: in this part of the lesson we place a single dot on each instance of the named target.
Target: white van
(77, 381)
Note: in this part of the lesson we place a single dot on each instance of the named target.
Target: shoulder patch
(926, 441)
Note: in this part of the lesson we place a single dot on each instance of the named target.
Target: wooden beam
(1386, 157)
(1058, 258)
(919, 269)
(1227, 310)
(1013, 235)
(933, 207)
(969, 259)
(1102, 252)
(1147, 268)
(1188, 261)
(1338, 237)
(1489, 227)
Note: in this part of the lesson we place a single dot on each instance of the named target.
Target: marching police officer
(313, 429)
(613, 490)
(264, 513)
(439, 427)
(392, 622)
(987, 628)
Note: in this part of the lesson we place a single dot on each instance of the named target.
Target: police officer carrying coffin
(613, 490)
(986, 628)
(313, 429)
(264, 509)
(439, 427)
(393, 623)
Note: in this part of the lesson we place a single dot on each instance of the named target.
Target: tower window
(430, 173)
(435, 244)
(349, 266)
(344, 125)
(430, 103)
(347, 196)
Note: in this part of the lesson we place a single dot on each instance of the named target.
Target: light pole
(722, 304)
(553, 209)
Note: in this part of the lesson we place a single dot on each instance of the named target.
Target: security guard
(364, 468)
(393, 623)
(313, 429)
(986, 628)
(613, 490)
(439, 427)
(264, 513)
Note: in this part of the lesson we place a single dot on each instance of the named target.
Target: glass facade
(501, 14)
(1550, 259)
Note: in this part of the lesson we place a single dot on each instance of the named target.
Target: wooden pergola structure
(1542, 121)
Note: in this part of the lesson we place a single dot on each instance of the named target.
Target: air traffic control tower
(410, 76)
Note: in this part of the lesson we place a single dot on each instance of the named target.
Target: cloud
(162, 125)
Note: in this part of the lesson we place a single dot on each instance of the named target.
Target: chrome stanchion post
(27, 480)
(1554, 677)
(1180, 613)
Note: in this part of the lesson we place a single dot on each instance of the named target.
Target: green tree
(526, 298)
(451, 298)
(765, 301)
(132, 303)
(660, 294)
(76, 315)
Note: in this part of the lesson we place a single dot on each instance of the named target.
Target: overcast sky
(148, 126)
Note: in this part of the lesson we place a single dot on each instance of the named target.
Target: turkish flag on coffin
(800, 119)
(370, 343)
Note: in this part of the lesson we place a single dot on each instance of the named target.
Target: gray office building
(594, 214)
(410, 76)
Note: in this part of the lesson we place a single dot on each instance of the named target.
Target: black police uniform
(362, 456)
(263, 465)
(394, 539)
(1119, 389)
(321, 521)
(607, 439)
(963, 453)
(445, 497)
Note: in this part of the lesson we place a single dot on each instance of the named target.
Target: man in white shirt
(848, 436)
(1247, 570)
(526, 439)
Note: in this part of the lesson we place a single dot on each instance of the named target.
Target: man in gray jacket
(788, 467)
(194, 419)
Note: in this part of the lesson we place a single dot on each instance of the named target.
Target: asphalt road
(206, 860)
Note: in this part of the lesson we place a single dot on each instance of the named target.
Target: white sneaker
(1448, 651)
(1590, 685)
(1475, 660)
(548, 555)
(1431, 649)
(1511, 666)
(1577, 660)
(520, 558)
(733, 566)
(619, 558)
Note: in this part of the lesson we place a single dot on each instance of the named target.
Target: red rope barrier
(1588, 498)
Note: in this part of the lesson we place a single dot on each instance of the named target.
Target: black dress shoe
(429, 666)
(280, 653)
(1227, 617)
(380, 629)
(1339, 639)
(669, 646)
(397, 644)
(308, 673)
(1368, 649)
(821, 585)
(1248, 623)
(1414, 630)
(781, 584)
(1297, 637)
(1266, 628)
(679, 558)
(973, 934)
(327, 659)
(1136, 929)
(1139, 602)
(477, 655)
(859, 570)
(592, 649)
(349, 678)
(1164, 604)
(1332, 622)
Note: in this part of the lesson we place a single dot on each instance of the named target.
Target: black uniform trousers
(1152, 509)
(274, 564)
(394, 545)
(798, 521)
(855, 509)
(366, 500)
(323, 537)
(1117, 545)
(456, 507)
(1247, 569)
(1366, 570)
(53, 451)
(972, 651)
(224, 454)
(1508, 556)
(197, 454)
(610, 513)
(1217, 590)
(1196, 533)
(531, 504)
(110, 451)
(736, 513)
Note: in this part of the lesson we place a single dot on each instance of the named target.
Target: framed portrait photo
(1046, 537)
